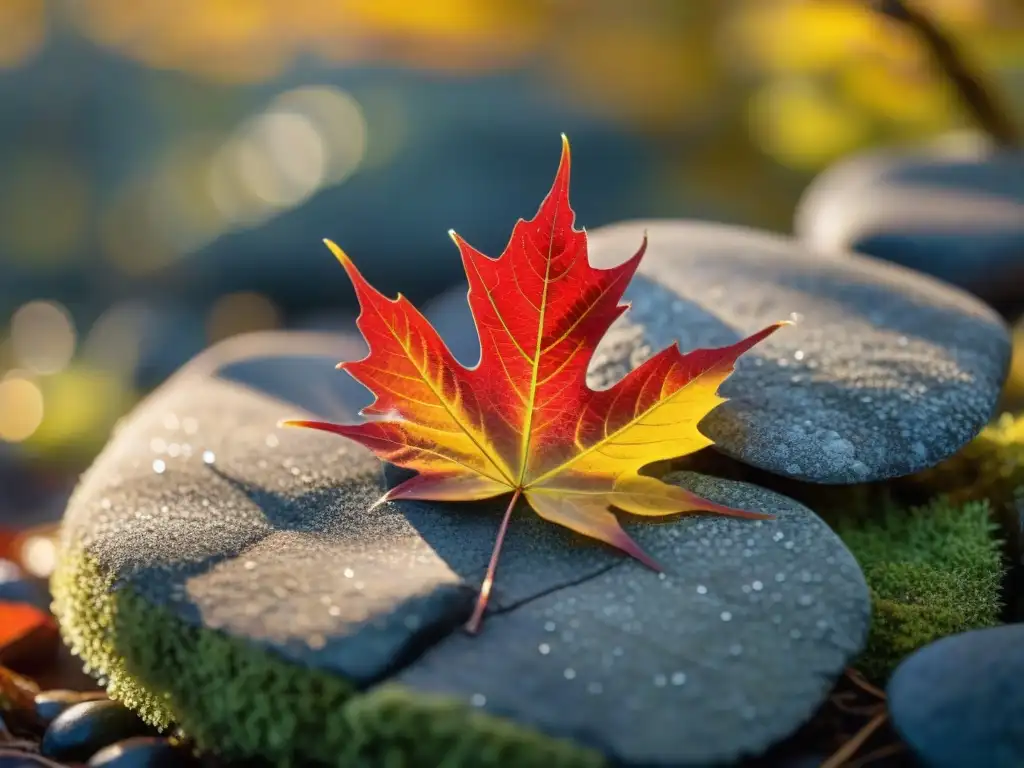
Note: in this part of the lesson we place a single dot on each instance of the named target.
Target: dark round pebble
(10, 758)
(83, 729)
(141, 752)
(49, 704)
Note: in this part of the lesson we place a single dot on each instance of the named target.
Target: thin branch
(976, 95)
(873, 757)
(849, 749)
(858, 679)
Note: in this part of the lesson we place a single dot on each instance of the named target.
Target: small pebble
(83, 729)
(49, 704)
(141, 752)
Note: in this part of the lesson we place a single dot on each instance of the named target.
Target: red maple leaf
(523, 420)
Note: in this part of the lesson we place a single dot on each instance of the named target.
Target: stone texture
(885, 373)
(959, 701)
(957, 217)
(203, 507)
(727, 652)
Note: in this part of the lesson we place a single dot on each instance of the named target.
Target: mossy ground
(246, 702)
(932, 571)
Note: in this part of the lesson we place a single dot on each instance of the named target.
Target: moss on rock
(989, 467)
(932, 571)
(239, 700)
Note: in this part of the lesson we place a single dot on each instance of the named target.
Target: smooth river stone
(959, 218)
(959, 701)
(885, 372)
(202, 506)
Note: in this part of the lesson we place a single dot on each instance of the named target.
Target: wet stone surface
(959, 701)
(886, 372)
(959, 217)
(201, 505)
(745, 633)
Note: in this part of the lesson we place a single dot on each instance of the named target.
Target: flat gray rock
(959, 218)
(729, 651)
(886, 372)
(202, 506)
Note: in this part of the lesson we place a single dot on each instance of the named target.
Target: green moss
(236, 699)
(989, 467)
(932, 571)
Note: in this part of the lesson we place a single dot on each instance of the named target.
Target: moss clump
(989, 467)
(932, 571)
(238, 700)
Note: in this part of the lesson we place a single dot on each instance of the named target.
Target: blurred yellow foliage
(844, 74)
(22, 30)
(861, 76)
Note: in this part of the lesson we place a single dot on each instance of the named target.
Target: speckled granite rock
(959, 701)
(886, 372)
(958, 218)
(267, 536)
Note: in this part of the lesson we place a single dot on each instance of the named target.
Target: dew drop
(678, 678)
(159, 466)
(209, 457)
(544, 649)
(569, 673)
(726, 616)
(701, 589)
(477, 699)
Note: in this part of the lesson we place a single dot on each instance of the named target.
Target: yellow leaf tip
(339, 254)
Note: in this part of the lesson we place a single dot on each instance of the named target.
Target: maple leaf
(523, 420)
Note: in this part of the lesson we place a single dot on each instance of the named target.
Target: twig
(858, 679)
(849, 749)
(875, 755)
(976, 95)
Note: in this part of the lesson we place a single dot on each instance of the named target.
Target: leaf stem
(473, 625)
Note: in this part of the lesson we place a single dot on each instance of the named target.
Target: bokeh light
(306, 138)
(21, 409)
(38, 553)
(43, 337)
(22, 30)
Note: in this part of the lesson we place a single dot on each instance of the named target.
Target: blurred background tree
(169, 166)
